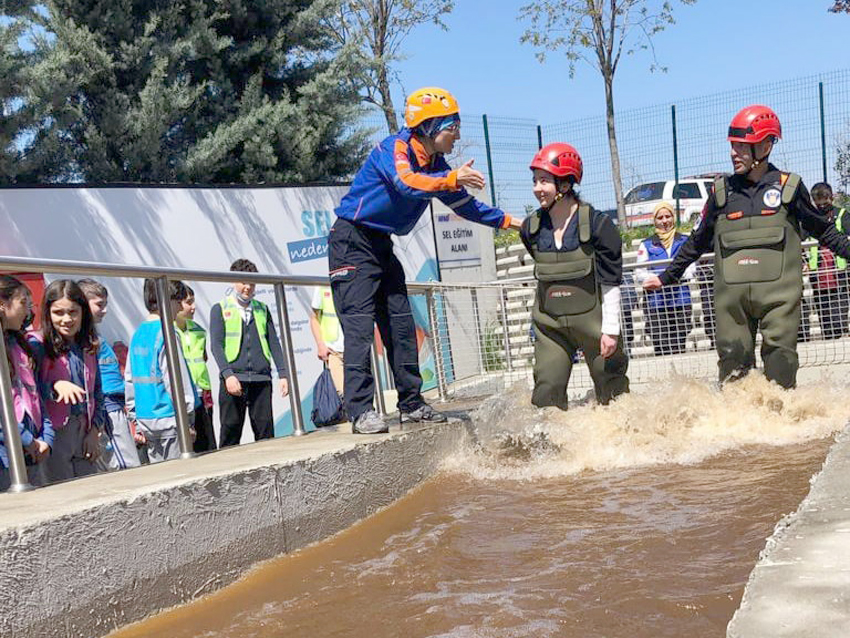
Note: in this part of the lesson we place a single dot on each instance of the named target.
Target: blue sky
(716, 45)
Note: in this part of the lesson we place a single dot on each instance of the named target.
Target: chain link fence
(814, 110)
(486, 339)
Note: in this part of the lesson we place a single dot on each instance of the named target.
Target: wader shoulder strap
(534, 223)
(720, 192)
(584, 223)
(789, 187)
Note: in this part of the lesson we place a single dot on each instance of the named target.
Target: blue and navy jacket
(392, 189)
(677, 296)
(151, 398)
(110, 377)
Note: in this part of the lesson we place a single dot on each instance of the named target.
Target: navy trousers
(367, 281)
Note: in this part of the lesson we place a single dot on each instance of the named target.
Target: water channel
(643, 519)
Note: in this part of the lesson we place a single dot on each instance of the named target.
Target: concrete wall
(85, 557)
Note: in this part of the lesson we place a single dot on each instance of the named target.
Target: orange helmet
(426, 103)
(562, 160)
(753, 124)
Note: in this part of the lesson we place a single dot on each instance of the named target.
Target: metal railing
(480, 335)
(17, 467)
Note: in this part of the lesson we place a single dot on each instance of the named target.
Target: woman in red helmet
(753, 223)
(578, 264)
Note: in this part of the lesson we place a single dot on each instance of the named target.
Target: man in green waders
(578, 264)
(753, 223)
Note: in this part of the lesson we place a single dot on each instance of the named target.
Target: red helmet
(560, 159)
(753, 124)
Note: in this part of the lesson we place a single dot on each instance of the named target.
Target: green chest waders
(758, 285)
(567, 315)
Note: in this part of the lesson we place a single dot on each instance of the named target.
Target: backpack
(327, 408)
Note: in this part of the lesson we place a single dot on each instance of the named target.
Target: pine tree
(192, 91)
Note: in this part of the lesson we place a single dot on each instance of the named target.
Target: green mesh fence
(645, 138)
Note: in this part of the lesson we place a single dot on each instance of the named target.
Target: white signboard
(458, 240)
(282, 230)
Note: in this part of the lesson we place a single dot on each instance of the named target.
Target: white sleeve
(129, 390)
(642, 274)
(610, 310)
(316, 303)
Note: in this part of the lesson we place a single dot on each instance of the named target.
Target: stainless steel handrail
(17, 467)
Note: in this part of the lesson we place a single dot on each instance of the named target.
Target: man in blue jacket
(388, 196)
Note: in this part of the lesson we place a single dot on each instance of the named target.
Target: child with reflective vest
(148, 384)
(194, 340)
(33, 424)
(70, 380)
(244, 344)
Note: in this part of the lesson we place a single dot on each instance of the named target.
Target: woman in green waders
(578, 264)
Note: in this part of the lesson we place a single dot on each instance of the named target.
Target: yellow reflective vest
(194, 341)
(840, 262)
(232, 315)
(328, 322)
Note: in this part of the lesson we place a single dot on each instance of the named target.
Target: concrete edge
(800, 586)
(136, 552)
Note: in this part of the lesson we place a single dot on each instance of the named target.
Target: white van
(642, 199)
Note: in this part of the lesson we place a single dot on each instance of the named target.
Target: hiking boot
(423, 414)
(370, 422)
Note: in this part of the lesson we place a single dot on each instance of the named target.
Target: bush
(493, 346)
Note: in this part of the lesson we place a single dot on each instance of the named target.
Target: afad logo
(315, 225)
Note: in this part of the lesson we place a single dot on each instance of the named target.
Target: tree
(840, 6)
(598, 32)
(236, 91)
(14, 117)
(372, 32)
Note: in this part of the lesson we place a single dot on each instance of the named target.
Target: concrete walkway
(800, 587)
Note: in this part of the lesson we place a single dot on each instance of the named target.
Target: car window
(688, 191)
(645, 192)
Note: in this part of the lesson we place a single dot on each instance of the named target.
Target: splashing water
(678, 421)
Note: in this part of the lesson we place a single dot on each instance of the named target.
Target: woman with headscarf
(667, 311)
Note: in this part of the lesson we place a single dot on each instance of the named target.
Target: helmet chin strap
(756, 160)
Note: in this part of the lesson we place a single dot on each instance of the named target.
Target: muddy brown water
(643, 519)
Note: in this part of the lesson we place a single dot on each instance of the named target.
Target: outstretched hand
(468, 177)
(515, 223)
(652, 283)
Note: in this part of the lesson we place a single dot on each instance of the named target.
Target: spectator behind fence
(244, 344)
(388, 196)
(117, 446)
(578, 265)
(753, 221)
(70, 380)
(194, 341)
(31, 418)
(148, 383)
(668, 311)
(829, 271)
(327, 332)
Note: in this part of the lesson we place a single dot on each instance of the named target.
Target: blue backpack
(327, 408)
